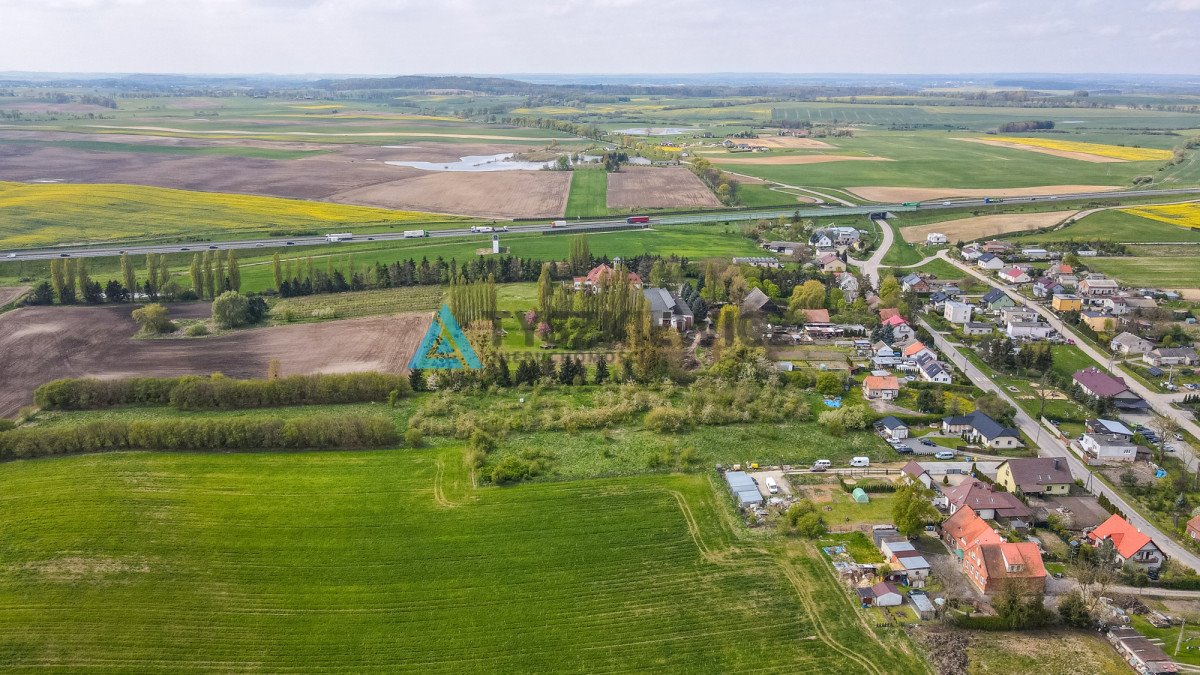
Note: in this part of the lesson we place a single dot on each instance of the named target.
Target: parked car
(821, 465)
(944, 454)
(772, 486)
(928, 443)
(860, 462)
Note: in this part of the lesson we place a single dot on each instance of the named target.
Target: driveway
(870, 266)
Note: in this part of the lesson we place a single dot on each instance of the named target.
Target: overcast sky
(600, 36)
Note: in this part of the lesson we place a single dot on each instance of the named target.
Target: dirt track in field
(892, 195)
(970, 229)
(39, 344)
(646, 187)
(788, 142)
(1068, 154)
(795, 159)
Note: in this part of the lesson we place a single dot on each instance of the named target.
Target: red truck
(637, 219)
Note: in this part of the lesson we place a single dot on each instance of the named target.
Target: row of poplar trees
(213, 274)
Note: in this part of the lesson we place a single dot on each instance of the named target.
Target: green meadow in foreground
(390, 560)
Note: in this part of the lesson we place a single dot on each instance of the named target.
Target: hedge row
(317, 432)
(218, 392)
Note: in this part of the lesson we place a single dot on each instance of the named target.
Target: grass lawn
(942, 270)
(390, 560)
(1043, 651)
(843, 511)
(589, 193)
(330, 306)
(1154, 272)
(1116, 225)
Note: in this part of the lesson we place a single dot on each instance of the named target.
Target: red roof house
(993, 568)
(1131, 545)
(816, 316)
(965, 530)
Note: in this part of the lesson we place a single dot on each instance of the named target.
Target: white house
(893, 427)
(1014, 275)
(1017, 314)
(1171, 356)
(935, 238)
(1033, 330)
(1108, 447)
(1035, 253)
(957, 312)
(1128, 344)
(971, 253)
(977, 328)
(990, 261)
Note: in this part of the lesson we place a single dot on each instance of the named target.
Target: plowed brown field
(39, 344)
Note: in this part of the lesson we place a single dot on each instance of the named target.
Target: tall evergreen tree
(601, 370)
(128, 275)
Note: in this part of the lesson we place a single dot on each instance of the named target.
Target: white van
(772, 486)
(860, 462)
(821, 465)
(944, 454)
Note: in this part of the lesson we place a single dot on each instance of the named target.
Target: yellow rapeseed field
(46, 214)
(1183, 215)
(1113, 151)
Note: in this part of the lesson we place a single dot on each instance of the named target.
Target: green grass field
(589, 193)
(1153, 272)
(48, 214)
(1119, 226)
(232, 151)
(390, 560)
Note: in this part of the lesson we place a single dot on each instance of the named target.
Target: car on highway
(11, 255)
(64, 255)
(290, 243)
(185, 249)
(258, 245)
(212, 248)
(946, 203)
(370, 238)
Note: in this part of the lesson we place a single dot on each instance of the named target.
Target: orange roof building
(965, 530)
(887, 313)
(816, 316)
(886, 387)
(994, 568)
(1131, 545)
(913, 349)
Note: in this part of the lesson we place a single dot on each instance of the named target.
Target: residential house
(887, 313)
(916, 472)
(1059, 269)
(938, 300)
(886, 388)
(830, 262)
(882, 349)
(603, 274)
(834, 236)
(996, 246)
(893, 428)
(905, 558)
(990, 261)
(1045, 287)
(914, 283)
(1172, 356)
(668, 309)
(758, 302)
(882, 594)
(930, 370)
(1100, 426)
(1108, 447)
(1064, 302)
(1115, 305)
(996, 300)
(816, 316)
(1101, 322)
(964, 530)
(1131, 546)
(987, 501)
(900, 328)
(1097, 285)
(979, 428)
(957, 312)
(1193, 527)
(936, 239)
(1035, 253)
(1069, 282)
(1144, 656)
(1021, 313)
(977, 328)
(1014, 275)
(915, 350)
(971, 253)
(1100, 384)
(994, 568)
(1128, 344)
(1035, 475)
(848, 283)
(1031, 330)
(758, 261)
(1135, 303)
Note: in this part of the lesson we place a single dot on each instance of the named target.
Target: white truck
(415, 234)
(559, 223)
(340, 236)
(485, 229)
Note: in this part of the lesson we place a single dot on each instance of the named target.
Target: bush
(665, 419)
(197, 330)
(217, 392)
(153, 319)
(229, 310)
(413, 437)
(6, 424)
(317, 432)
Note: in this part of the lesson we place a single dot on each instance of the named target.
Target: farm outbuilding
(744, 488)
(860, 496)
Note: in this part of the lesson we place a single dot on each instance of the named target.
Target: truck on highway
(637, 219)
(340, 236)
(482, 229)
(913, 204)
(559, 223)
(990, 200)
(415, 234)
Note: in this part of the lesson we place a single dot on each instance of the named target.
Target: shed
(922, 605)
(744, 488)
(860, 495)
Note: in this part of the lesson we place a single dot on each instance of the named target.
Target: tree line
(70, 281)
(316, 432)
(217, 392)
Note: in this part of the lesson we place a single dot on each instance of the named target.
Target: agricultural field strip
(1122, 153)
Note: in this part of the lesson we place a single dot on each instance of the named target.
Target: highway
(104, 250)
(1048, 445)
